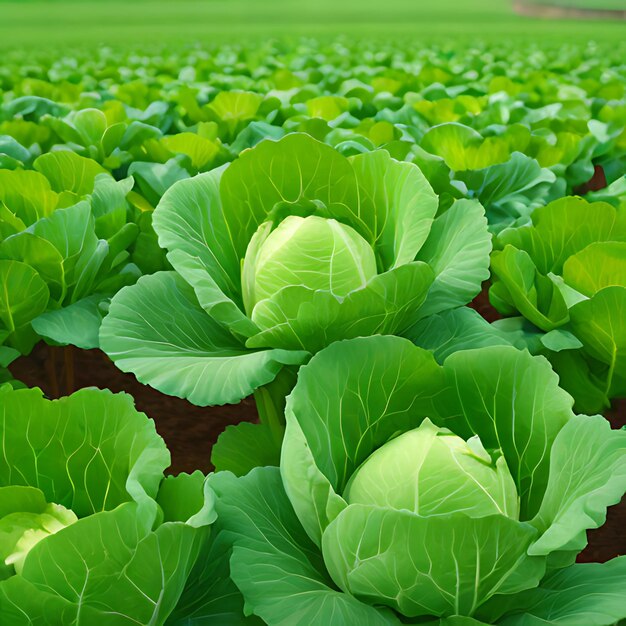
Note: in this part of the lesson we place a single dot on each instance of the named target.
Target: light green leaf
(587, 594)
(109, 205)
(244, 446)
(68, 171)
(158, 330)
(587, 474)
(41, 255)
(599, 265)
(559, 339)
(190, 219)
(600, 323)
(77, 324)
(155, 566)
(463, 148)
(89, 452)
(397, 204)
(72, 232)
(27, 194)
(200, 150)
(23, 295)
(563, 228)
(520, 285)
(428, 566)
(457, 249)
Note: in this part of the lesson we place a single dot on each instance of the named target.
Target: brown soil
(190, 431)
(547, 11)
(595, 183)
(481, 304)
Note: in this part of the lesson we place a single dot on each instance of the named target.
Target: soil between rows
(190, 431)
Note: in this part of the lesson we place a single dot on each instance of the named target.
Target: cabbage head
(290, 247)
(416, 493)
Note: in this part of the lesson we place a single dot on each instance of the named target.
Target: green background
(59, 23)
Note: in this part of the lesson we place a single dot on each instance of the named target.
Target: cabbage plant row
(307, 224)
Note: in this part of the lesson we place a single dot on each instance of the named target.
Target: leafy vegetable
(402, 480)
(90, 529)
(289, 248)
(566, 274)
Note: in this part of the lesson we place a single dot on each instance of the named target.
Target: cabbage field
(311, 315)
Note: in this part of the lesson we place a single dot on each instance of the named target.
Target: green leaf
(9, 223)
(463, 148)
(423, 566)
(91, 124)
(597, 266)
(18, 507)
(109, 205)
(200, 150)
(155, 564)
(41, 255)
(77, 324)
(23, 295)
(68, 171)
(88, 452)
(600, 323)
(563, 228)
(457, 249)
(587, 387)
(27, 195)
(397, 204)
(244, 446)
(72, 232)
(512, 401)
(509, 190)
(559, 339)
(210, 596)
(154, 179)
(522, 286)
(209, 593)
(277, 568)
(587, 594)
(234, 108)
(454, 330)
(158, 330)
(587, 474)
(190, 220)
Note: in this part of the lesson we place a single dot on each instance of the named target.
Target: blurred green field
(59, 23)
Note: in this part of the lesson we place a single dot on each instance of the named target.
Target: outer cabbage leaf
(587, 474)
(431, 566)
(278, 569)
(587, 594)
(101, 436)
(158, 330)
